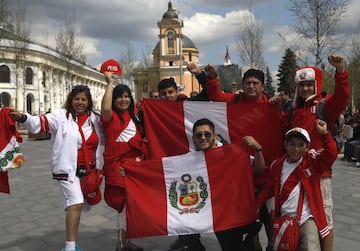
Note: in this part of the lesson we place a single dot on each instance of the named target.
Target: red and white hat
(299, 131)
(112, 66)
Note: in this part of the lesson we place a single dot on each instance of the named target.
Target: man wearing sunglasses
(204, 138)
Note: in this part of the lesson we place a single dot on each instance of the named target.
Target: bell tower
(174, 50)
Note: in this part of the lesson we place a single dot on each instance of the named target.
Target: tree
(286, 75)
(68, 43)
(249, 41)
(269, 89)
(128, 62)
(5, 18)
(317, 21)
(70, 48)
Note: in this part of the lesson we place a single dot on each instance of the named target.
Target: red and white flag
(10, 155)
(197, 192)
(168, 125)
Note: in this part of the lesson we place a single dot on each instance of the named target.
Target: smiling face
(122, 102)
(253, 88)
(306, 89)
(204, 137)
(295, 146)
(80, 103)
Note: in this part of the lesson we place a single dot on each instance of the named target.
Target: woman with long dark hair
(124, 142)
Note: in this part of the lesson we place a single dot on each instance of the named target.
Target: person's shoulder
(181, 97)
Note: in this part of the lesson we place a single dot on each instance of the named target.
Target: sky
(107, 27)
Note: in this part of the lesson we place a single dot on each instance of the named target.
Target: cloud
(105, 26)
(350, 21)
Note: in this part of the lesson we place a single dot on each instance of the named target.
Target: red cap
(94, 197)
(90, 186)
(112, 66)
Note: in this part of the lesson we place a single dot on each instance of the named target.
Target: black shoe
(269, 248)
(133, 247)
(179, 245)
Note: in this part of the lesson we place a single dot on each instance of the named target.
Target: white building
(36, 78)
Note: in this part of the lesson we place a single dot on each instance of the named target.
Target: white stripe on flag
(214, 111)
(188, 216)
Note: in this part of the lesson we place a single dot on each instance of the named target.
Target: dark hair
(75, 90)
(204, 121)
(152, 92)
(254, 73)
(297, 136)
(118, 91)
(286, 92)
(166, 83)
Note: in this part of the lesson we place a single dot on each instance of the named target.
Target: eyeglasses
(199, 135)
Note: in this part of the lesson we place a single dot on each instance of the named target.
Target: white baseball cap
(299, 131)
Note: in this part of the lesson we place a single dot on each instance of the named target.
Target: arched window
(4, 99)
(44, 78)
(29, 76)
(171, 41)
(4, 74)
(29, 103)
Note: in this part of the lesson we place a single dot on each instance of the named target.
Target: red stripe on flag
(164, 122)
(146, 204)
(232, 187)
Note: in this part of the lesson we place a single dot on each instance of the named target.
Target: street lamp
(181, 57)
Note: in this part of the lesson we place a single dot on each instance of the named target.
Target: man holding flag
(198, 187)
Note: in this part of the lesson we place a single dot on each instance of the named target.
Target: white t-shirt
(290, 206)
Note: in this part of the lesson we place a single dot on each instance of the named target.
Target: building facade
(170, 55)
(35, 78)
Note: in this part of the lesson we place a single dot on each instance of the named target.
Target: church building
(170, 56)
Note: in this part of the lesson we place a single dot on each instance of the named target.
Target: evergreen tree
(287, 69)
(269, 88)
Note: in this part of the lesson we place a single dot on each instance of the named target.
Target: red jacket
(305, 116)
(309, 171)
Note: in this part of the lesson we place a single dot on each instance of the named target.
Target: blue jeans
(348, 148)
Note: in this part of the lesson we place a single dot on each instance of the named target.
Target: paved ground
(32, 219)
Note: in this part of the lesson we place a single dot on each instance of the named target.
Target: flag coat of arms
(168, 125)
(197, 192)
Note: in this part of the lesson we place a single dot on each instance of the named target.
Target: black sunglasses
(199, 135)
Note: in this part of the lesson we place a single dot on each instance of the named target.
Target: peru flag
(10, 154)
(168, 125)
(197, 192)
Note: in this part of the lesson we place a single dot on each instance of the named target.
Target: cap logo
(112, 68)
(302, 76)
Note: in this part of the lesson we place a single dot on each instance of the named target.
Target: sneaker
(76, 249)
(119, 247)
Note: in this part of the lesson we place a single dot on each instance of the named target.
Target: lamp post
(181, 58)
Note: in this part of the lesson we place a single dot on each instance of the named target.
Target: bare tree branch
(249, 39)
(316, 23)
